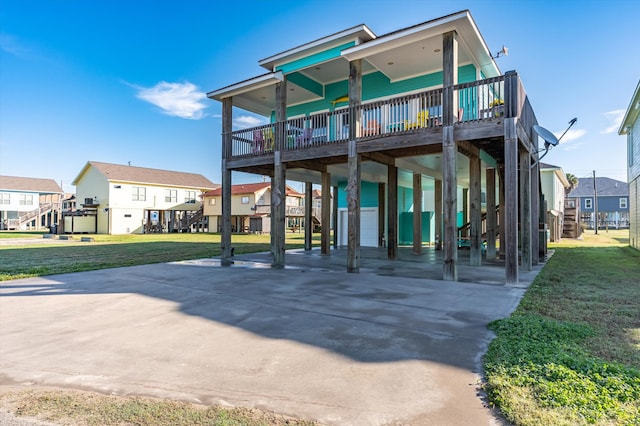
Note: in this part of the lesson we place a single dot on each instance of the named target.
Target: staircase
(26, 217)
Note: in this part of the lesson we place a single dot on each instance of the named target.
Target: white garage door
(368, 227)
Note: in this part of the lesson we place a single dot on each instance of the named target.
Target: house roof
(42, 186)
(605, 186)
(143, 175)
(250, 188)
(399, 55)
(557, 170)
(631, 116)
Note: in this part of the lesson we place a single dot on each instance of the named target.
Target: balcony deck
(394, 128)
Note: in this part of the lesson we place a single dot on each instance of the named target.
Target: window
(139, 193)
(26, 200)
(5, 198)
(190, 197)
(212, 201)
(623, 203)
(244, 199)
(588, 203)
(171, 195)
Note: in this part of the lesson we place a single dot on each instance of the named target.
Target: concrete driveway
(312, 342)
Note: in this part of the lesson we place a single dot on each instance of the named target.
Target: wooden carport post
(308, 219)
(510, 238)
(278, 183)
(475, 220)
(325, 215)
(438, 213)
(417, 213)
(392, 212)
(354, 163)
(525, 208)
(535, 213)
(449, 152)
(491, 213)
(225, 238)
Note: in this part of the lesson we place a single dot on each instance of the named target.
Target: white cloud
(571, 135)
(245, 121)
(12, 45)
(178, 99)
(615, 117)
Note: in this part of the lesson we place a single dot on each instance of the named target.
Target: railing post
(511, 89)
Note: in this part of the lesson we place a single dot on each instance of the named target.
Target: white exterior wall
(634, 185)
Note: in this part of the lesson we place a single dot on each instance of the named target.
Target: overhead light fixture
(504, 51)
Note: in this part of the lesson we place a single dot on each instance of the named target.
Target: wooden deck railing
(477, 101)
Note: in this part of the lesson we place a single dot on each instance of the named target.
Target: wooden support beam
(417, 213)
(449, 77)
(278, 182)
(325, 215)
(465, 211)
(525, 210)
(438, 213)
(450, 204)
(475, 222)
(501, 210)
(535, 213)
(225, 238)
(491, 213)
(382, 192)
(334, 216)
(308, 215)
(355, 168)
(353, 209)
(392, 212)
(510, 238)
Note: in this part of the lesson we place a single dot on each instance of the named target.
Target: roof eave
(632, 112)
(247, 85)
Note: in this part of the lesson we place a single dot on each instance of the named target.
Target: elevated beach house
(29, 203)
(380, 117)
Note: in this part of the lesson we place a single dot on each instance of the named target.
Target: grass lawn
(110, 251)
(570, 353)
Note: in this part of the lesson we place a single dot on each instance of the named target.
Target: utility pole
(595, 201)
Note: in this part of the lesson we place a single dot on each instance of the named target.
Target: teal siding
(405, 227)
(368, 195)
(306, 82)
(314, 59)
(377, 85)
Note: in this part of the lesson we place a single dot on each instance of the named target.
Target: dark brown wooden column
(501, 210)
(382, 190)
(491, 213)
(525, 209)
(438, 213)
(535, 214)
(475, 212)
(392, 212)
(417, 213)
(354, 162)
(225, 228)
(449, 152)
(325, 215)
(308, 215)
(510, 238)
(334, 216)
(278, 183)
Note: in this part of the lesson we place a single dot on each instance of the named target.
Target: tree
(573, 183)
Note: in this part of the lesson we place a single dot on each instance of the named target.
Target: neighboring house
(554, 186)
(251, 208)
(611, 203)
(631, 128)
(29, 203)
(378, 117)
(118, 199)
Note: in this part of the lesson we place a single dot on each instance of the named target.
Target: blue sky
(125, 81)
